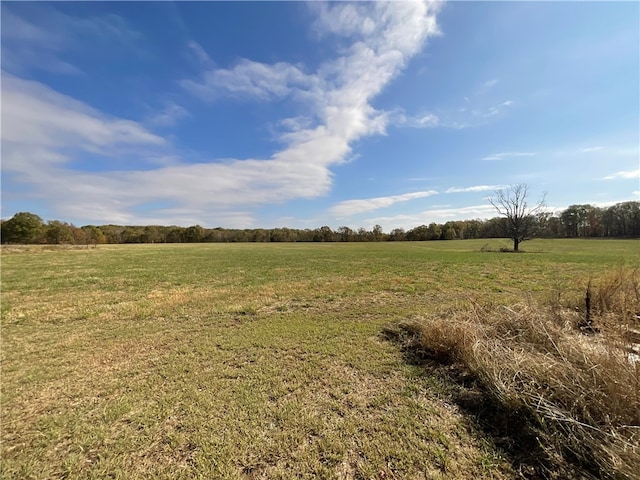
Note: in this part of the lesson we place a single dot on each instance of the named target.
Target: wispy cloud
(169, 116)
(476, 188)
(490, 83)
(200, 55)
(421, 179)
(503, 155)
(37, 117)
(437, 215)
(492, 110)
(459, 118)
(41, 42)
(250, 80)
(608, 152)
(353, 207)
(338, 93)
(424, 120)
(460, 213)
(48, 130)
(624, 175)
(25, 45)
(44, 131)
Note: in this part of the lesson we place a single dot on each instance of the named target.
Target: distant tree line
(621, 220)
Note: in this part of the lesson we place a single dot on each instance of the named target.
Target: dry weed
(581, 393)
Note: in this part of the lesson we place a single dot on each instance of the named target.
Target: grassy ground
(252, 360)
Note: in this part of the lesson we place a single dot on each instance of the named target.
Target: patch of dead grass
(577, 394)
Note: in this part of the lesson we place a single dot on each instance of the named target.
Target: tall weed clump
(579, 390)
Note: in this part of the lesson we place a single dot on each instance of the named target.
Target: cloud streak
(40, 44)
(437, 215)
(44, 131)
(476, 188)
(350, 208)
(39, 119)
(425, 120)
(623, 175)
(169, 116)
(250, 80)
(353, 207)
(459, 119)
(503, 155)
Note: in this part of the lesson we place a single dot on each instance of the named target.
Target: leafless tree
(521, 218)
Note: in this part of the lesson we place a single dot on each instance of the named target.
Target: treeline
(620, 220)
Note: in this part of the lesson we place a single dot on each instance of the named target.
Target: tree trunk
(516, 242)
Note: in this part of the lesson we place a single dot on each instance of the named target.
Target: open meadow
(258, 360)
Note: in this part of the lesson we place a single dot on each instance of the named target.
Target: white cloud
(249, 79)
(460, 213)
(402, 26)
(490, 83)
(384, 35)
(353, 207)
(437, 215)
(47, 130)
(294, 124)
(428, 120)
(503, 155)
(48, 125)
(349, 21)
(476, 188)
(44, 131)
(424, 120)
(624, 175)
(349, 208)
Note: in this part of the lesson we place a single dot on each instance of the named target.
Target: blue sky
(298, 114)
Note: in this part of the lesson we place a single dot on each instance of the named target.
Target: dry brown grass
(579, 394)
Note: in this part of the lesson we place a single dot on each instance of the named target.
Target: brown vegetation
(572, 399)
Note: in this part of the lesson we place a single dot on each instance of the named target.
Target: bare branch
(512, 204)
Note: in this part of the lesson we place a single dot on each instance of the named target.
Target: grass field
(253, 360)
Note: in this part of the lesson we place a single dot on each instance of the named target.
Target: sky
(291, 114)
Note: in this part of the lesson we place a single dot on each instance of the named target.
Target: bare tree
(521, 218)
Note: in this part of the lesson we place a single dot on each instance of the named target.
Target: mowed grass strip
(250, 360)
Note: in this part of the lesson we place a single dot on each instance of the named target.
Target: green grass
(251, 360)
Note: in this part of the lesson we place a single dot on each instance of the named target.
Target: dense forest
(621, 220)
